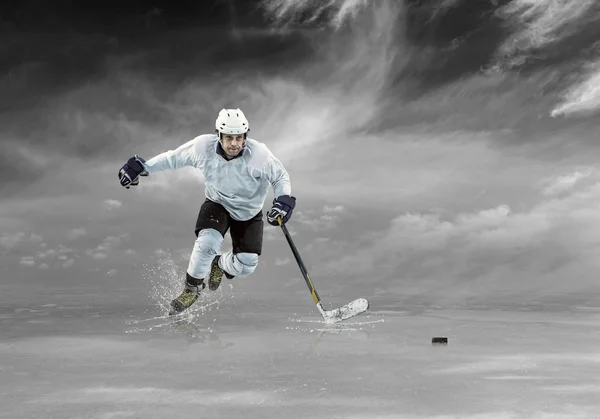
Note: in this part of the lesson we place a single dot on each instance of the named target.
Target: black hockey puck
(439, 341)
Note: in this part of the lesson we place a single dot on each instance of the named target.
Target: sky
(447, 153)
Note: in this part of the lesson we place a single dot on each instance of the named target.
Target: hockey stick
(331, 316)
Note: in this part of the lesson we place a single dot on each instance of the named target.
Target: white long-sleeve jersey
(240, 184)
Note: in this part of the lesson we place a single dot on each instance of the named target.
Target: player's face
(232, 144)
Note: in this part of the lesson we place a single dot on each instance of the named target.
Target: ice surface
(255, 356)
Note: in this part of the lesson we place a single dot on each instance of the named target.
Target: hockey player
(238, 172)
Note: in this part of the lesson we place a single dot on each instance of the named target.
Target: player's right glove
(130, 172)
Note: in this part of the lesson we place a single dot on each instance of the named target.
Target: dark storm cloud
(461, 37)
(16, 167)
(114, 16)
(48, 46)
(198, 52)
(35, 66)
(456, 40)
(81, 82)
(567, 50)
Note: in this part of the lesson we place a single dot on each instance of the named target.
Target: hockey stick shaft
(305, 274)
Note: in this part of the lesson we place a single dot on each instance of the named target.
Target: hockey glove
(282, 207)
(130, 172)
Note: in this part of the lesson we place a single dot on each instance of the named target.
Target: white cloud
(45, 258)
(325, 219)
(9, 241)
(27, 261)
(64, 250)
(48, 254)
(63, 255)
(68, 263)
(554, 245)
(111, 242)
(537, 24)
(106, 246)
(293, 11)
(112, 204)
(565, 183)
(583, 98)
(337, 208)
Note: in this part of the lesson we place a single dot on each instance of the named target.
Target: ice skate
(215, 274)
(188, 296)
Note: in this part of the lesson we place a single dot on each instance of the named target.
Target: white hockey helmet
(232, 121)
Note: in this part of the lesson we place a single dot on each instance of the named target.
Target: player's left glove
(130, 172)
(282, 207)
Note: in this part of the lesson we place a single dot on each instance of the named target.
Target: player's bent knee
(247, 263)
(209, 241)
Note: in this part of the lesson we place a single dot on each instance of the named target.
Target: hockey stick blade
(353, 308)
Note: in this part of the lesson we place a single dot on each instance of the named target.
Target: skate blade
(353, 308)
(175, 312)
